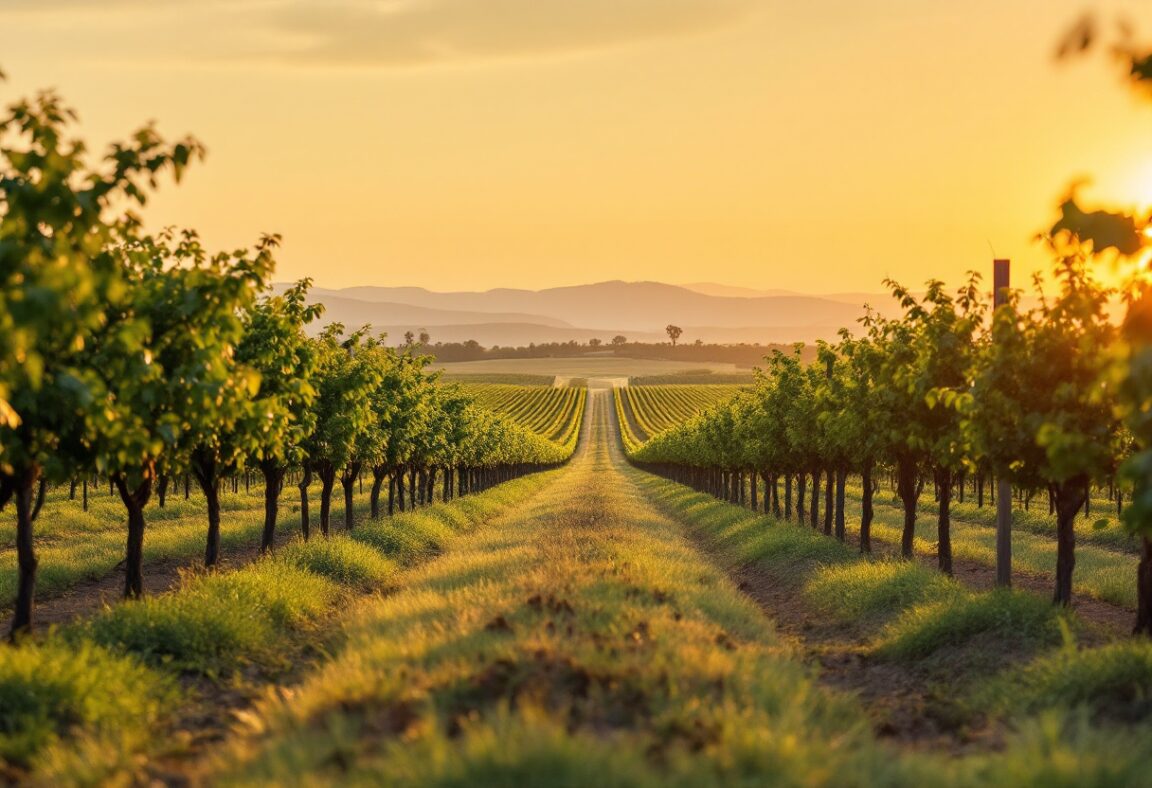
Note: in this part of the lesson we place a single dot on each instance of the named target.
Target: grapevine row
(550, 412)
(942, 394)
(648, 410)
(141, 358)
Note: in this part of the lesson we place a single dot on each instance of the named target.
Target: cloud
(382, 33)
(414, 32)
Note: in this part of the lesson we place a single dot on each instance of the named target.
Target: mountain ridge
(639, 310)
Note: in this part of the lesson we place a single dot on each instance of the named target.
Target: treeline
(744, 355)
(139, 358)
(943, 396)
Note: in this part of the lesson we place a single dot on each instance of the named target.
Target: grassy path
(594, 636)
(583, 639)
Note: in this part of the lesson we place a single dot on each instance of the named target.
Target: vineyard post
(1001, 270)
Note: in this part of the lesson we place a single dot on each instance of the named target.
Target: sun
(1131, 189)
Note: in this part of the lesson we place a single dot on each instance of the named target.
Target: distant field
(587, 367)
(696, 377)
(452, 376)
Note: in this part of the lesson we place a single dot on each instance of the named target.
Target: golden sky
(816, 145)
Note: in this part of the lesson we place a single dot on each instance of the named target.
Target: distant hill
(632, 306)
(638, 310)
(877, 299)
(728, 291)
(356, 312)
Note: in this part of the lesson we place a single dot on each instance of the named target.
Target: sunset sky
(458, 144)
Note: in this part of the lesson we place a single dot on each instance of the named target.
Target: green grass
(1112, 682)
(1056, 752)
(1014, 621)
(581, 637)
(215, 623)
(74, 546)
(82, 705)
(560, 647)
(1102, 572)
(342, 559)
(744, 536)
(53, 692)
(1100, 527)
(877, 589)
(585, 639)
(928, 623)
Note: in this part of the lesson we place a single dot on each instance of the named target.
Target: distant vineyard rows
(552, 413)
(646, 411)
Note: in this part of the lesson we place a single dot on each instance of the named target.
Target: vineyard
(249, 547)
(926, 402)
(645, 411)
(157, 402)
(552, 413)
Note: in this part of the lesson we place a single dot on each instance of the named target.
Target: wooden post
(1001, 276)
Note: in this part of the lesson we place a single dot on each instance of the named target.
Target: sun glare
(1132, 189)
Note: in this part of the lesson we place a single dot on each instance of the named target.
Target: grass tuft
(342, 559)
(51, 690)
(1111, 682)
(1011, 621)
(877, 589)
(215, 622)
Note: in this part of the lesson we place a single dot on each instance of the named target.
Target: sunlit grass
(876, 589)
(586, 640)
(1011, 620)
(73, 545)
(1100, 573)
(341, 559)
(923, 620)
(582, 636)
(213, 624)
(1100, 527)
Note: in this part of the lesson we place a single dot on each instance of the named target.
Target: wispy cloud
(405, 32)
(393, 33)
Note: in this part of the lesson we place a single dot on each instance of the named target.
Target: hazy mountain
(730, 291)
(354, 312)
(877, 299)
(638, 310)
(522, 334)
(619, 306)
